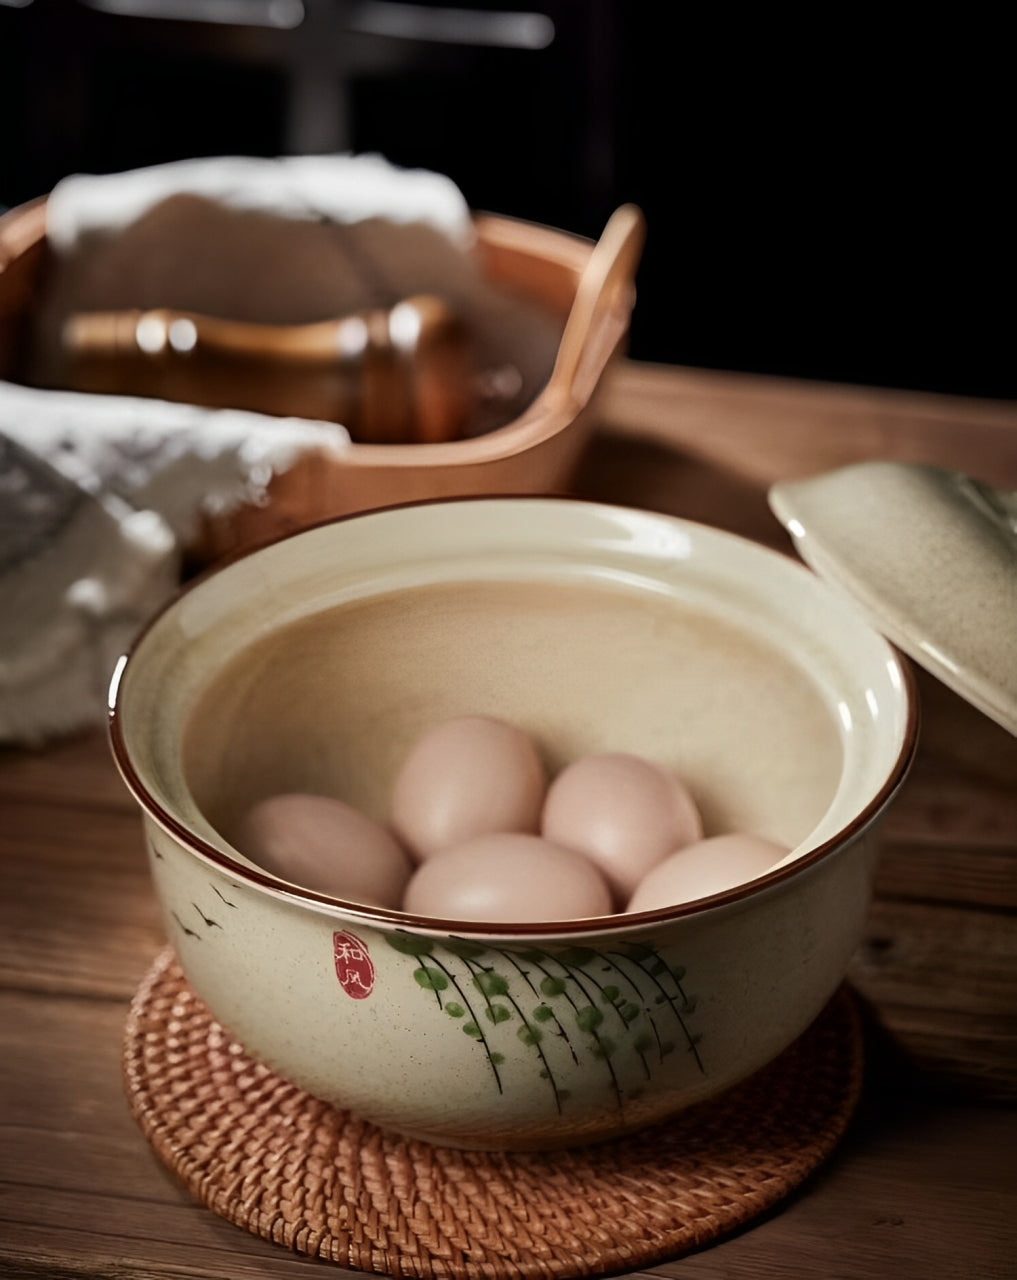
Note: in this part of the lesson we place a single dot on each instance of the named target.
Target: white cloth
(98, 497)
(100, 494)
(178, 460)
(78, 574)
(343, 188)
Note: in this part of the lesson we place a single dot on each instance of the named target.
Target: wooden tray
(588, 286)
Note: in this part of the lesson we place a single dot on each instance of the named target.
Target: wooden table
(922, 1186)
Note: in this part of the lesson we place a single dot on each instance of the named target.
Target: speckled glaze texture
(931, 555)
(513, 1043)
(314, 662)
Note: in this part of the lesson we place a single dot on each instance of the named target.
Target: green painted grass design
(623, 1009)
(681, 1005)
(438, 977)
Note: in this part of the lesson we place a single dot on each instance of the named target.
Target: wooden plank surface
(923, 1185)
(768, 429)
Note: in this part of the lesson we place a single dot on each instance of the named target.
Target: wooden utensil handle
(404, 374)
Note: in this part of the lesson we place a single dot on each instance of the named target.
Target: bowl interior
(311, 665)
(331, 703)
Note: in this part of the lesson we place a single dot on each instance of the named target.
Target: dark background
(822, 201)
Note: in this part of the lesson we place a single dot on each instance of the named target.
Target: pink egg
(624, 812)
(704, 868)
(508, 877)
(324, 844)
(463, 778)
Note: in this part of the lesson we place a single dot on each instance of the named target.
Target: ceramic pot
(313, 663)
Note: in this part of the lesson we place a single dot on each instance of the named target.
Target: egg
(704, 868)
(466, 777)
(321, 843)
(508, 877)
(625, 812)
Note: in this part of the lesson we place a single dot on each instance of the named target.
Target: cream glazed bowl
(312, 664)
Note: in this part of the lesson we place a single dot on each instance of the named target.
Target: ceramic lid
(931, 557)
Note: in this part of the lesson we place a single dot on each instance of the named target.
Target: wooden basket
(588, 286)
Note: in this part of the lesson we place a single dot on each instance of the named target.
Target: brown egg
(624, 812)
(507, 878)
(324, 844)
(463, 778)
(704, 868)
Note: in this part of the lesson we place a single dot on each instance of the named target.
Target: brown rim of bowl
(386, 918)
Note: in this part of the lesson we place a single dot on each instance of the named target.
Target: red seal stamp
(353, 964)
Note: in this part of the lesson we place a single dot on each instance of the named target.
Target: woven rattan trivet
(267, 1157)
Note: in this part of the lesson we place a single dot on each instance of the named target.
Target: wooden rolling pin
(404, 375)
